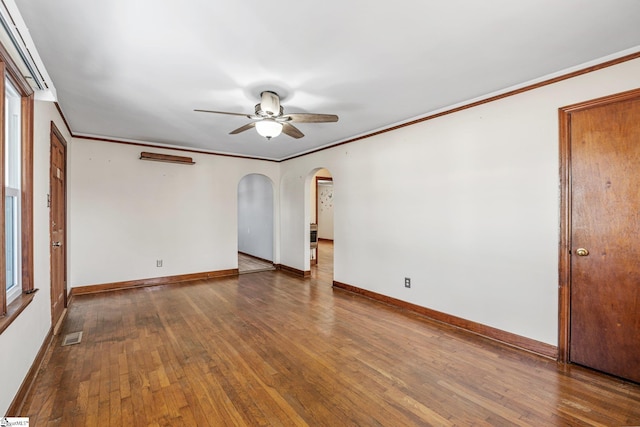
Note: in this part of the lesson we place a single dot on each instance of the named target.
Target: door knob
(582, 252)
(56, 244)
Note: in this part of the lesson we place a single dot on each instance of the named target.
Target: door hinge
(48, 200)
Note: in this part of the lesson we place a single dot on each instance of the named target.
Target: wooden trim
(58, 326)
(533, 86)
(156, 281)
(8, 69)
(505, 337)
(157, 157)
(604, 100)
(256, 257)
(26, 199)
(321, 239)
(17, 404)
(564, 262)
(16, 307)
(150, 145)
(547, 82)
(15, 73)
(184, 150)
(55, 132)
(294, 271)
(64, 119)
(3, 256)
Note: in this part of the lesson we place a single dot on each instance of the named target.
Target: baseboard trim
(21, 396)
(294, 271)
(505, 337)
(156, 281)
(60, 322)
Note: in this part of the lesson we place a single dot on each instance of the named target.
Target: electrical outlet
(407, 282)
(159, 263)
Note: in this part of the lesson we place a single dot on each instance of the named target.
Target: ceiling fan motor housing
(270, 103)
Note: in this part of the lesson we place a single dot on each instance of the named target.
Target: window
(16, 212)
(12, 184)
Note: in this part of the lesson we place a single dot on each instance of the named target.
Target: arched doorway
(255, 224)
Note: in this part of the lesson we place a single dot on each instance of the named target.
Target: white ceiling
(136, 69)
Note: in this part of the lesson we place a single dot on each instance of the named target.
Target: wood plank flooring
(271, 349)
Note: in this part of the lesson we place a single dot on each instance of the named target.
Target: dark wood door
(605, 237)
(58, 224)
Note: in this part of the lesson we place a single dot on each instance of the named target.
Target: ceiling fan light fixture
(270, 120)
(269, 128)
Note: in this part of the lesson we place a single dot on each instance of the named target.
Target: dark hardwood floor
(272, 349)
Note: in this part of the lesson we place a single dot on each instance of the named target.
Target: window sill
(14, 309)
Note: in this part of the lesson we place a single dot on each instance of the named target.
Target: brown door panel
(605, 238)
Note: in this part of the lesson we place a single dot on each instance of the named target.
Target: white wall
(255, 216)
(22, 340)
(127, 213)
(466, 205)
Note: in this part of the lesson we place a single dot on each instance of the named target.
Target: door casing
(564, 265)
(58, 313)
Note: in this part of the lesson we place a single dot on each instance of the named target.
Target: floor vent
(72, 338)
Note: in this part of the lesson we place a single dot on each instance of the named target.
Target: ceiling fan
(271, 120)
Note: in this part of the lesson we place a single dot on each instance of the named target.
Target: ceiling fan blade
(225, 112)
(310, 118)
(243, 128)
(291, 130)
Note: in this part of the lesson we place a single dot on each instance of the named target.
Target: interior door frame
(55, 132)
(564, 264)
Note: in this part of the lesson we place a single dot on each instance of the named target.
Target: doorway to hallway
(255, 224)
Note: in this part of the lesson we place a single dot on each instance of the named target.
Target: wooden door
(605, 235)
(57, 226)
